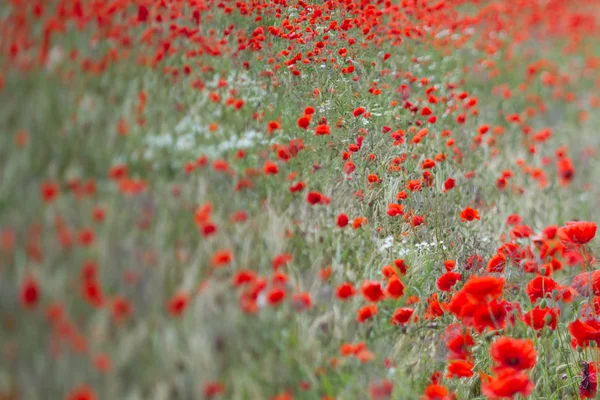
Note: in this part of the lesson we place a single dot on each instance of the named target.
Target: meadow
(288, 200)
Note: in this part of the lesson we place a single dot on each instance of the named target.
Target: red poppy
(304, 121)
(543, 286)
(436, 392)
(49, 191)
(449, 184)
(381, 390)
(314, 198)
(490, 315)
(276, 296)
(447, 281)
(358, 111)
(365, 313)
(401, 316)
(395, 209)
(372, 291)
(30, 292)
(507, 383)
(587, 283)
(222, 258)
(83, 392)
(588, 385)
(449, 265)
(584, 332)
(518, 354)
(538, 318)
(469, 214)
(579, 232)
(460, 369)
(497, 263)
(178, 304)
(458, 341)
(480, 288)
(213, 389)
(342, 220)
(395, 288)
(322, 129)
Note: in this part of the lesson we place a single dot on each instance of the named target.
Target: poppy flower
(401, 265)
(458, 341)
(345, 291)
(394, 288)
(584, 332)
(449, 184)
(469, 214)
(518, 354)
(436, 392)
(30, 293)
(297, 187)
(270, 168)
(281, 260)
(460, 369)
(342, 220)
(372, 291)
(365, 313)
(449, 265)
(507, 384)
(543, 286)
(178, 304)
(480, 288)
(428, 164)
(395, 209)
(497, 263)
(447, 281)
(588, 385)
(587, 283)
(314, 198)
(322, 129)
(475, 262)
(213, 389)
(359, 222)
(301, 301)
(381, 390)
(434, 307)
(276, 296)
(49, 191)
(83, 392)
(358, 111)
(401, 316)
(579, 233)
(222, 258)
(538, 318)
(490, 316)
(303, 122)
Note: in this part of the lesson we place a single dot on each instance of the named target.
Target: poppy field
(287, 199)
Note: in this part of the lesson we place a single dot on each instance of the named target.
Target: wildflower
(394, 288)
(579, 232)
(365, 313)
(177, 304)
(447, 281)
(372, 291)
(507, 383)
(83, 392)
(469, 214)
(460, 369)
(358, 111)
(30, 293)
(342, 220)
(401, 316)
(518, 354)
(345, 291)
